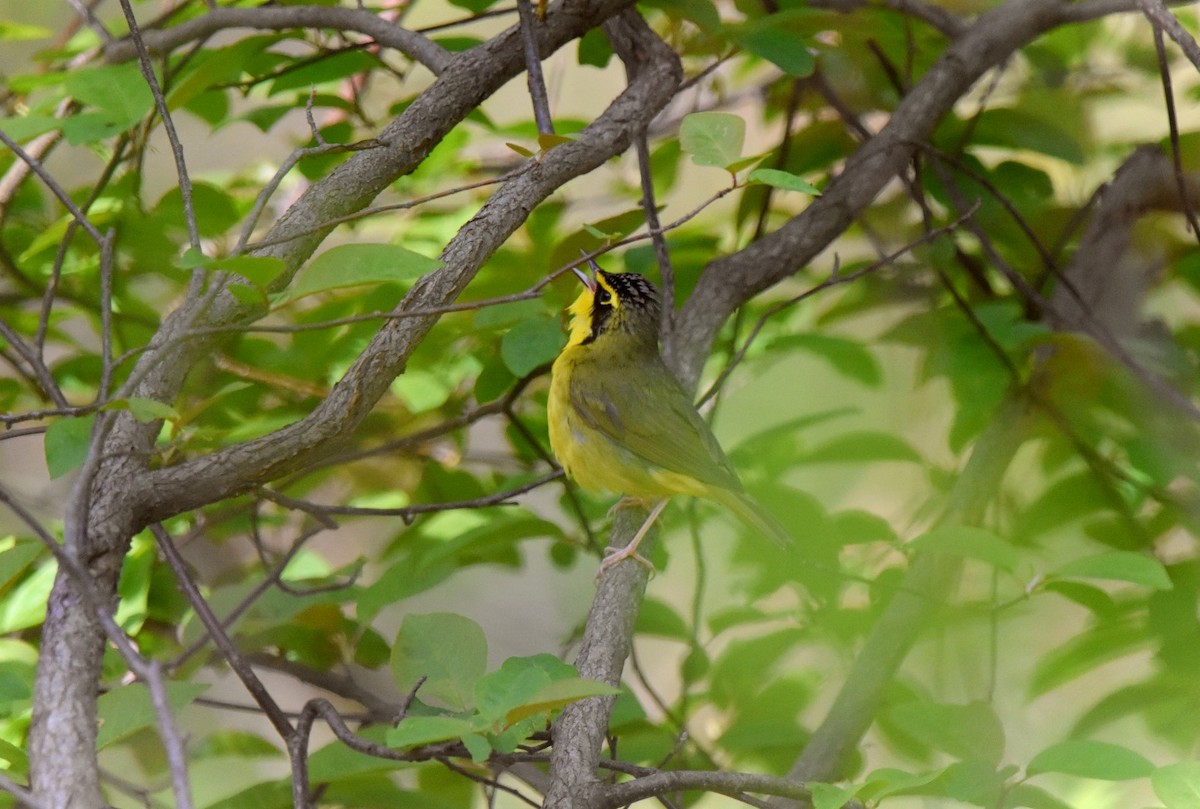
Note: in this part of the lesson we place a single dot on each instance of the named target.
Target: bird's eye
(603, 297)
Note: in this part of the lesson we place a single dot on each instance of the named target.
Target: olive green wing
(641, 408)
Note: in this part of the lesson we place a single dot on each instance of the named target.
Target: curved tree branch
(730, 280)
(102, 517)
(282, 18)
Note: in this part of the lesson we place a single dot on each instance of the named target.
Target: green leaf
(867, 446)
(969, 543)
(15, 557)
(421, 390)
(258, 270)
(1021, 129)
(118, 92)
(1085, 653)
(144, 410)
(516, 681)
(701, 12)
(320, 71)
(1127, 566)
(13, 31)
(560, 693)
(531, 344)
(712, 138)
(66, 444)
(967, 732)
(656, 617)
(1177, 785)
(887, 781)
(1033, 797)
(417, 730)
(848, 357)
(1091, 759)
(829, 796)
(350, 265)
(24, 606)
(213, 207)
(783, 180)
(478, 747)
(594, 49)
(236, 744)
(129, 708)
(782, 48)
(448, 650)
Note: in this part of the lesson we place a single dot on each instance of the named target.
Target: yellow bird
(620, 421)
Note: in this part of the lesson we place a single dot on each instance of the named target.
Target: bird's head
(614, 306)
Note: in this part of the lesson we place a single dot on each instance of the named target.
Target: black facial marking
(634, 294)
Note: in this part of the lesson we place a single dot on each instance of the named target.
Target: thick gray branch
(117, 497)
(230, 471)
(730, 280)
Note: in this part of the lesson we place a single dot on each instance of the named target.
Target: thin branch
(37, 368)
(654, 228)
(1163, 20)
(148, 671)
(22, 794)
(283, 18)
(1164, 70)
(533, 69)
(407, 513)
(229, 650)
(834, 279)
(378, 209)
(59, 192)
(733, 784)
(271, 579)
(160, 102)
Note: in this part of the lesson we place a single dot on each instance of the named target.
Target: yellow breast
(594, 460)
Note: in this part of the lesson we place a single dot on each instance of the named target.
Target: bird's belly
(594, 460)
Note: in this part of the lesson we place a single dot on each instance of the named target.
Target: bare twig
(229, 650)
(281, 18)
(22, 794)
(407, 513)
(533, 69)
(1164, 70)
(1163, 20)
(35, 164)
(160, 102)
(654, 228)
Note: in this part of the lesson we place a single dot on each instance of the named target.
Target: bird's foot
(613, 556)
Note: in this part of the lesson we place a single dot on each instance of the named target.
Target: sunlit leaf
(417, 730)
(531, 343)
(1119, 566)
(1177, 785)
(863, 447)
(1091, 759)
(783, 180)
(349, 265)
(449, 651)
(712, 138)
(971, 543)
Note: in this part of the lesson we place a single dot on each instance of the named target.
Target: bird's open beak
(590, 283)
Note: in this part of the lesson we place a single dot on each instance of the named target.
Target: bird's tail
(751, 512)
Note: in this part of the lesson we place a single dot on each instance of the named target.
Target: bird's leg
(628, 501)
(614, 555)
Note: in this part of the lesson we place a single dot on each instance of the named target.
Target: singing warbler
(619, 420)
